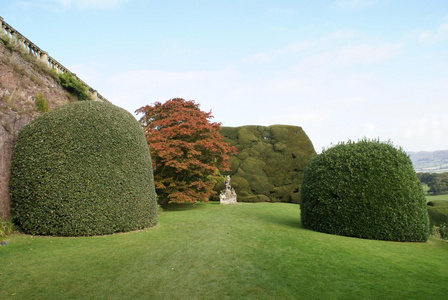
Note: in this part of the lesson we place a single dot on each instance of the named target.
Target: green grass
(209, 251)
(431, 197)
(442, 197)
(438, 212)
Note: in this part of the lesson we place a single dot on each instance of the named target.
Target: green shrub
(443, 229)
(440, 232)
(54, 73)
(5, 229)
(74, 86)
(438, 217)
(366, 189)
(438, 212)
(6, 41)
(41, 103)
(270, 162)
(82, 169)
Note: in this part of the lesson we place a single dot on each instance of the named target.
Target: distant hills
(430, 162)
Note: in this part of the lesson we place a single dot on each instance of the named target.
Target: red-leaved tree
(186, 150)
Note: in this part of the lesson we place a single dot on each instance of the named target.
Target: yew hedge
(365, 189)
(82, 169)
(269, 164)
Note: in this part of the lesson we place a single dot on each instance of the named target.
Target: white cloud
(328, 40)
(359, 4)
(300, 117)
(258, 57)
(348, 103)
(369, 127)
(327, 85)
(368, 53)
(341, 108)
(436, 36)
(67, 4)
(137, 88)
(280, 87)
(158, 79)
(433, 130)
(297, 48)
(428, 130)
(88, 73)
(354, 54)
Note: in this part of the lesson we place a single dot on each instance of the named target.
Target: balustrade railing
(39, 54)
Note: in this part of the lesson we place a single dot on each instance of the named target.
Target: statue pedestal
(228, 196)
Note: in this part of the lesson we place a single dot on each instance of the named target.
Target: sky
(340, 69)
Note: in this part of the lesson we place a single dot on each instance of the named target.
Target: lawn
(438, 210)
(431, 197)
(441, 197)
(209, 251)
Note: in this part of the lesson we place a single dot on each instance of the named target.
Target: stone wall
(8, 137)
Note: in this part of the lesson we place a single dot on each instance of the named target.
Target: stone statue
(228, 182)
(228, 195)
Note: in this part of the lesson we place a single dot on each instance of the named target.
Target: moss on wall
(270, 162)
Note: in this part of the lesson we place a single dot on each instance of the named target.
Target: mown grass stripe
(209, 251)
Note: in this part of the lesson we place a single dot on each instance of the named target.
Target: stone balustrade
(39, 54)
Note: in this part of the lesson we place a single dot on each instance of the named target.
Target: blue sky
(341, 69)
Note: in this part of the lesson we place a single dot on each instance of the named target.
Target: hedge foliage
(366, 189)
(82, 169)
(438, 215)
(269, 164)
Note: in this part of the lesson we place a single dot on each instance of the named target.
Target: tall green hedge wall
(82, 169)
(270, 162)
(366, 189)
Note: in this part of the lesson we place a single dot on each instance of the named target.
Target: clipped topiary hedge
(269, 164)
(366, 189)
(82, 169)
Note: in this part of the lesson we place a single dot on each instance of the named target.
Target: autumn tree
(187, 150)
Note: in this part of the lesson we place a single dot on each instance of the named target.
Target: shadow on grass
(283, 221)
(183, 206)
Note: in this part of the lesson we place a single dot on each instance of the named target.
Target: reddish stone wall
(21, 79)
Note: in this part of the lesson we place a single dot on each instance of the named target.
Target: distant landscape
(430, 162)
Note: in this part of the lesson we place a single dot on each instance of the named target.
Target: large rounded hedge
(269, 164)
(82, 169)
(366, 189)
